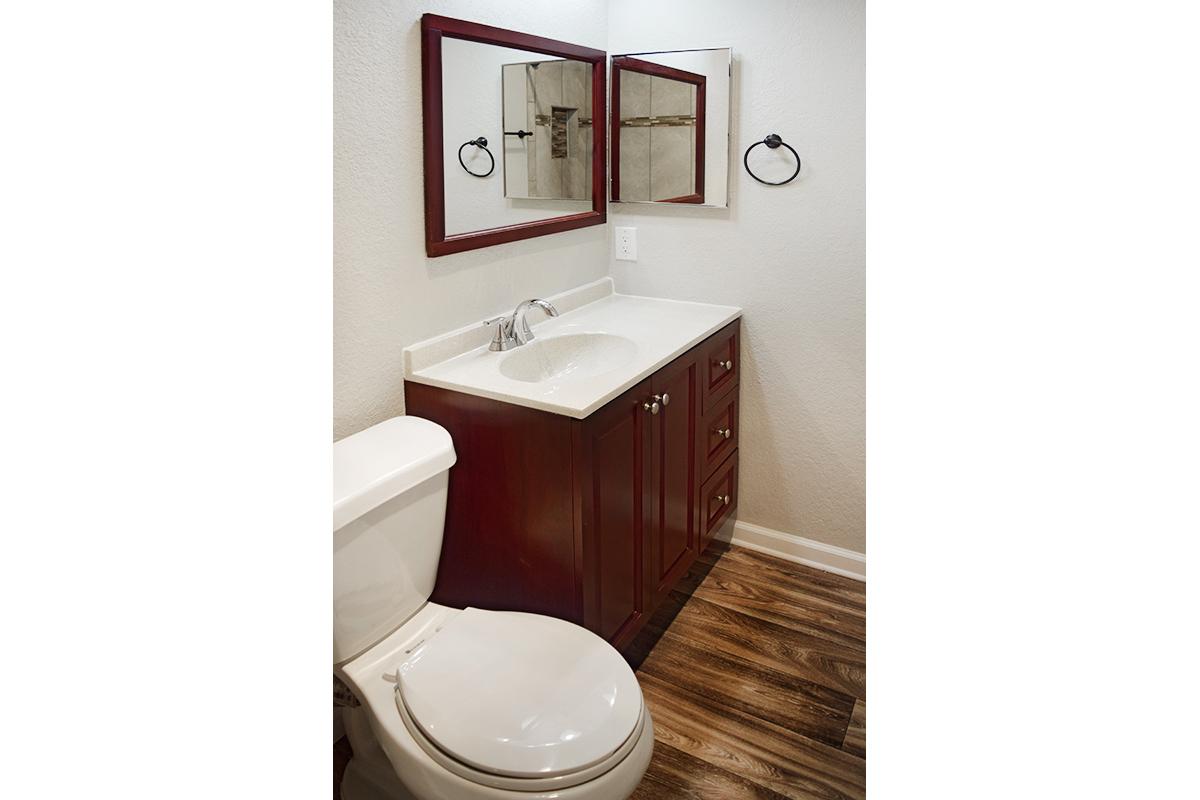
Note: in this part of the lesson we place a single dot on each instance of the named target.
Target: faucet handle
(502, 339)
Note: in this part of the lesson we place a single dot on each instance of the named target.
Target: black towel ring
(772, 141)
(481, 143)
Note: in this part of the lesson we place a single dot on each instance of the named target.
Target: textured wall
(792, 256)
(386, 294)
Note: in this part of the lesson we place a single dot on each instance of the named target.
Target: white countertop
(660, 330)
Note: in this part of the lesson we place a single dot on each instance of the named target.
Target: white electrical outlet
(626, 244)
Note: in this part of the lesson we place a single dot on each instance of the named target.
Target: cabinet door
(671, 543)
(614, 446)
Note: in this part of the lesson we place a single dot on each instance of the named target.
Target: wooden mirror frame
(433, 29)
(631, 64)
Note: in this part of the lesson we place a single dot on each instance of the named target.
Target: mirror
(670, 127)
(511, 151)
(548, 130)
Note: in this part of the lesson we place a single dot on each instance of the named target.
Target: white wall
(792, 256)
(386, 293)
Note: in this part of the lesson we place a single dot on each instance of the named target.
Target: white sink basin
(600, 345)
(568, 355)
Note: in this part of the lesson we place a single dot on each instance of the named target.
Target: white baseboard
(788, 546)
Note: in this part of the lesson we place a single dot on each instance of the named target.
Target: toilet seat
(519, 701)
(483, 778)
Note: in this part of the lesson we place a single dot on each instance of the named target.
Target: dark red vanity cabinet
(671, 536)
(591, 520)
(613, 474)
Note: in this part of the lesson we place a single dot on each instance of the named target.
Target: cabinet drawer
(719, 433)
(718, 497)
(721, 364)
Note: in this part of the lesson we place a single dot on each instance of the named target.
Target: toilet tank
(389, 504)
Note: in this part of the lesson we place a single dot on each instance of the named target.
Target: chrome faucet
(520, 328)
(514, 331)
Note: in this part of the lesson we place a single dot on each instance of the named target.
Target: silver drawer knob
(651, 407)
(722, 499)
(726, 432)
(666, 398)
(728, 365)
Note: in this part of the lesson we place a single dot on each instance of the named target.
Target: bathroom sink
(600, 345)
(574, 355)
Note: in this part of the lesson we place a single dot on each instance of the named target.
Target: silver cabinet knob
(722, 499)
(728, 365)
(651, 407)
(666, 398)
(726, 432)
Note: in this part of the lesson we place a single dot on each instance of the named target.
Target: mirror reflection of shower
(547, 130)
(669, 127)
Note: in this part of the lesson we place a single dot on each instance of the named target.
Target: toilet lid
(522, 695)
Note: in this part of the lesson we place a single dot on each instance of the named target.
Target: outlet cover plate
(625, 244)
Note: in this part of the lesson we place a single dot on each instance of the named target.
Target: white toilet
(458, 705)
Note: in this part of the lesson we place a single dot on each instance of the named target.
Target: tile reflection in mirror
(670, 127)
(550, 101)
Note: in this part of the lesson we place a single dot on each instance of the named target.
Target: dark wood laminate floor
(755, 674)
